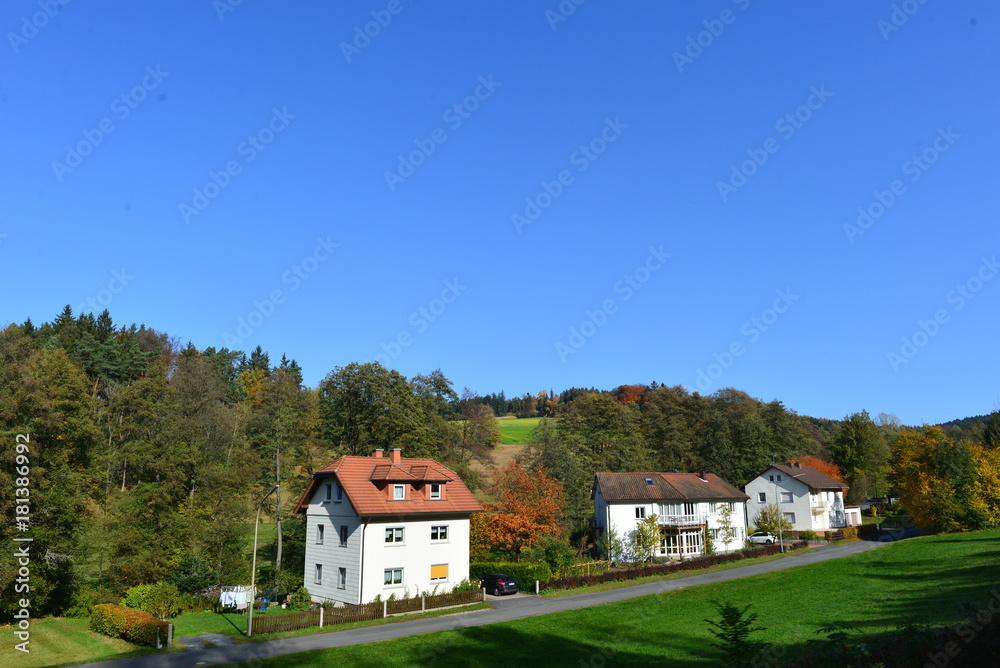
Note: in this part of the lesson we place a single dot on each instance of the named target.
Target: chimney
(377, 454)
(701, 474)
(395, 456)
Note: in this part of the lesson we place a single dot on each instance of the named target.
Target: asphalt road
(506, 608)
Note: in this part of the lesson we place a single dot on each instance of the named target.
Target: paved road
(506, 609)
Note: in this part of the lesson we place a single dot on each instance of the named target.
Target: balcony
(681, 520)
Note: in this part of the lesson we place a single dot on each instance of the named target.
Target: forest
(144, 460)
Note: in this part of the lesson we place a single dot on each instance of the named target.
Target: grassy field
(60, 642)
(515, 431)
(923, 579)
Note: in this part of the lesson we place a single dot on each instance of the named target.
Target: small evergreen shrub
(161, 599)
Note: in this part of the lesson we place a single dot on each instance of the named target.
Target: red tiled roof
(665, 487)
(364, 480)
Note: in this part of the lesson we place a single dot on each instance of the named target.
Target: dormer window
(399, 492)
(435, 492)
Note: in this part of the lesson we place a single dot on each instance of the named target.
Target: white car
(763, 537)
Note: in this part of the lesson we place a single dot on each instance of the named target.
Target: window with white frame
(439, 572)
(435, 491)
(439, 532)
(761, 497)
(790, 518)
(393, 576)
(319, 534)
(640, 512)
(786, 497)
(771, 478)
(318, 579)
(394, 534)
(342, 578)
(713, 507)
(689, 508)
(343, 536)
(399, 492)
(670, 509)
(732, 506)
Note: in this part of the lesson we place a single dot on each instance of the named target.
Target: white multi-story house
(685, 506)
(384, 525)
(808, 500)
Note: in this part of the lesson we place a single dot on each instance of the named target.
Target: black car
(498, 584)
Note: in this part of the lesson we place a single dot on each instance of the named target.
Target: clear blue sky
(623, 124)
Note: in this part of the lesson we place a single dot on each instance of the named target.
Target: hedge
(706, 561)
(525, 573)
(135, 626)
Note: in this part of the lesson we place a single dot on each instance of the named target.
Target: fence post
(385, 606)
(158, 638)
(170, 635)
(536, 587)
(423, 603)
(321, 609)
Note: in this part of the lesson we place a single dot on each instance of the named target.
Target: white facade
(806, 508)
(361, 558)
(682, 523)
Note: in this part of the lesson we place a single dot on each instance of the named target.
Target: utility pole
(277, 513)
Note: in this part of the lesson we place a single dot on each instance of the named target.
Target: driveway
(506, 608)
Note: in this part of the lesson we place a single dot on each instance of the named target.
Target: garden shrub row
(705, 561)
(525, 573)
(135, 626)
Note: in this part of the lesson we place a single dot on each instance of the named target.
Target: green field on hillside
(922, 580)
(516, 431)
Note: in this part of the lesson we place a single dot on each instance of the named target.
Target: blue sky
(523, 198)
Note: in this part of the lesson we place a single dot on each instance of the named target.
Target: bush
(808, 535)
(850, 533)
(192, 575)
(134, 626)
(87, 596)
(673, 567)
(161, 599)
(299, 599)
(524, 573)
(465, 585)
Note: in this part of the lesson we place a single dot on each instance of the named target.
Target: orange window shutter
(439, 571)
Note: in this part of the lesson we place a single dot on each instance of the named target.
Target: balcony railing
(681, 520)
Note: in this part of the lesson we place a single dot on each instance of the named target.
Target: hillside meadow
(932, 580)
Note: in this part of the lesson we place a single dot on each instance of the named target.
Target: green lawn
(923, 579)
(516, 431)
(60, 642)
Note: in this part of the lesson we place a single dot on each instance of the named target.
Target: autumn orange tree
(527, 510)
(823, 466)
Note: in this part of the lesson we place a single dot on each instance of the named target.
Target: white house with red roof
(384, 525)
(687, 506)
(808, 499)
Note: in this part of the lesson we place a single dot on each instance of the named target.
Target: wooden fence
(358, 613)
